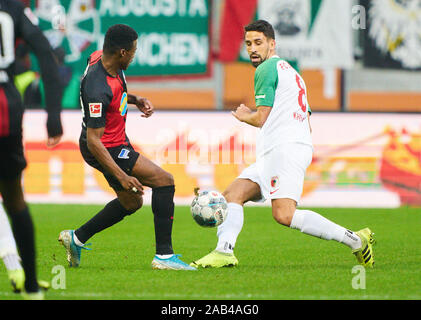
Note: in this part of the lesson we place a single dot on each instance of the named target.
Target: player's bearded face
(259, 48)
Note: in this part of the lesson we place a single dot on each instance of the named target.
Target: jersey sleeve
(265, 82)
(96, 100)
(40, 46)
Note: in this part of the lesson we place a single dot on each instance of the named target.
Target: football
(209, 208)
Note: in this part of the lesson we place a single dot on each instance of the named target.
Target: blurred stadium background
(361, 61)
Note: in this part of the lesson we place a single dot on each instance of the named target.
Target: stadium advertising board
(173, 34)
(304, 32)
(378, 165)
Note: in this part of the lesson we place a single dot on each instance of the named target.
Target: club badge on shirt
(95, 110)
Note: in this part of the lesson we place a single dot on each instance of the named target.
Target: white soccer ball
(209, 208)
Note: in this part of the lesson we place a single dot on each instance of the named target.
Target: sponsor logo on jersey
(95, 110)
(123, 104)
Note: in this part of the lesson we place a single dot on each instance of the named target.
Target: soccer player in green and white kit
(283, 152)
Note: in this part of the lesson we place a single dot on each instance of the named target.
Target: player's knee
(163, 179)
(12, 207)
(169, 179)
(282, 217)
(234, 197)
(132, 205)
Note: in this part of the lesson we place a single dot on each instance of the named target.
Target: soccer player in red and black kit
(15, 24)
(105, 146)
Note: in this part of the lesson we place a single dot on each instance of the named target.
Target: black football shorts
(124, 155)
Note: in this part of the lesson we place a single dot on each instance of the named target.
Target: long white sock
(7, 241)
(12, 261)
(8, 250)
(229, 230)
(312, 223)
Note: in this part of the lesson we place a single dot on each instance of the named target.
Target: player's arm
(40, 46)
(265, 82)
(102, 155)
(143, 104)
(254, 118)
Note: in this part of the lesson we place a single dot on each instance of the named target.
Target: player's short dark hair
(261, 26)
(119, 36)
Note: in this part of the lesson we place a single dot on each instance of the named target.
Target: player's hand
(53, 141)
(145, 106)
(242, 112)
(131, 184)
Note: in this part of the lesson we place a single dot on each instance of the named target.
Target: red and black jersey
(104, 102)
(15, 24)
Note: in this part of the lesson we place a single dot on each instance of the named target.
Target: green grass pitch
(275, 262)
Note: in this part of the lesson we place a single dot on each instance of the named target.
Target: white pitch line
(210, 297)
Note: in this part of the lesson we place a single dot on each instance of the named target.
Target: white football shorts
(280, 172)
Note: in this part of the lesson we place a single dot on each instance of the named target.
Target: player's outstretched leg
(74, 240)
(228, 231)
(312, 223)
(239, 192)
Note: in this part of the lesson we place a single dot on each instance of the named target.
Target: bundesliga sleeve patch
(95, 110)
